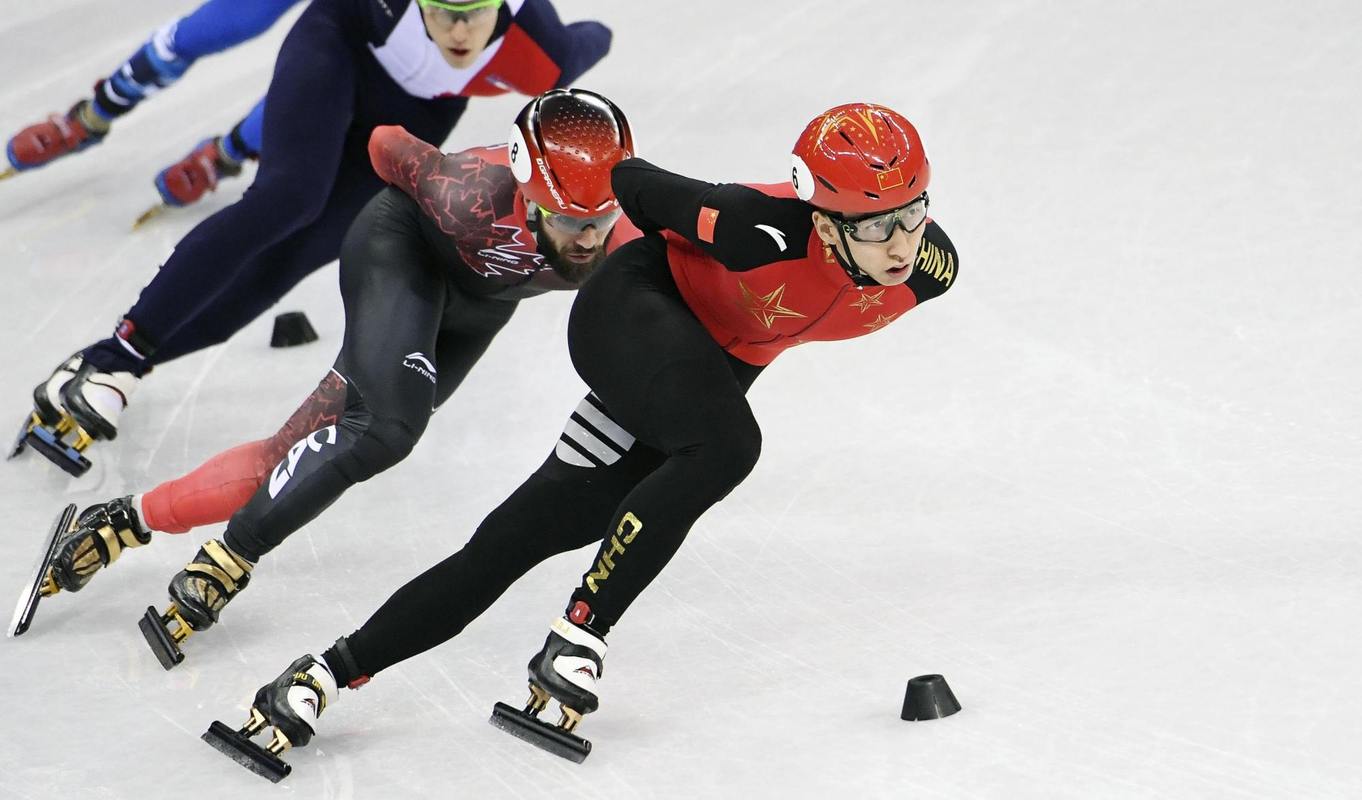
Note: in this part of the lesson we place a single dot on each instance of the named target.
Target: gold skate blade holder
(50, 441)
(9, 172)
(163, 641)
(569, 720)
(49, 585)
(237, 745)
(539, 699)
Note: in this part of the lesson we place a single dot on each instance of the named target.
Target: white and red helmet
(562, 147)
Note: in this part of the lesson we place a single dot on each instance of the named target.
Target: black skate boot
(291, 704)
(48, 425)
(566, 670)
(102, 532)
(199, 592)
(95, 399)
(82, 546)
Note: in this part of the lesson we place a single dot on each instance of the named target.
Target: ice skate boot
(95, 400)
(566, 670)
(57, 136)
(199, 592)
(49, 425)
(101, 534)
(82, 547)
(186, 181)
(290, 704)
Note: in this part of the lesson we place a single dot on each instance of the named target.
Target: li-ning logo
(313, 442)
(421, 365)
(548, 181)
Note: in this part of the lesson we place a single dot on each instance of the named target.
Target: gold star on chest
(865, 300)
(767, 308)
(880, 321)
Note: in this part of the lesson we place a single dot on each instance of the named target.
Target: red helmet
(859, 158)
(563, 145)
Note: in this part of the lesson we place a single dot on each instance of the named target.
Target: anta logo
(419, 362)
(499, 82)
(314, 441)
(774, 233)
(618, 542)
(312, 704)
(587, 671)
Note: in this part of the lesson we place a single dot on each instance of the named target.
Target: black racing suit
(666, 432)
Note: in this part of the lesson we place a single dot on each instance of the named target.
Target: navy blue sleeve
(575, 48)
(219, 24)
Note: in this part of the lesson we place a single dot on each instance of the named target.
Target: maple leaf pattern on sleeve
(470, 196)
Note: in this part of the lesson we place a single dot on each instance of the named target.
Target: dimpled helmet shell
(859, 158)
(562, 147)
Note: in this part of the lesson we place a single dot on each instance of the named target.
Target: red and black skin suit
(669, 334)
(431, 270)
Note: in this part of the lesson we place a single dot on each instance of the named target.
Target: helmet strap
(848, 263)
(533, 220)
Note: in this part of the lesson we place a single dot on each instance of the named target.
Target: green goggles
(450, 14)
(576, 225)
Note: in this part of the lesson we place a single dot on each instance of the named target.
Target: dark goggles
(878, 228)
(564, 223)
(449, 14)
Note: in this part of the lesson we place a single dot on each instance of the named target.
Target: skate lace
(63, 128)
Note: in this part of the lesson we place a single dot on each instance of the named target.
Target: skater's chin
(459, 57)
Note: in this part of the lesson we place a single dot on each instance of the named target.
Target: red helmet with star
(859, 158)
(562, 148)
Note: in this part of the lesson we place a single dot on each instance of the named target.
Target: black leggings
(655, 373)
(410, 339)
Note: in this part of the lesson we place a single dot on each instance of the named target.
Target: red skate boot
(186, 181)
(54, 137)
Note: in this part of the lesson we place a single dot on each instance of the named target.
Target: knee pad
(738, 451)
(727, 456)
(385, 442)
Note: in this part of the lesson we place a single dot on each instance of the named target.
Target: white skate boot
(290, 705)
(565, 669)
(51, 429)
(95, 399)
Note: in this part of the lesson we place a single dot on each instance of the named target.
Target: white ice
(1108, 485)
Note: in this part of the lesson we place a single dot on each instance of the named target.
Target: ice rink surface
(1108, 485)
